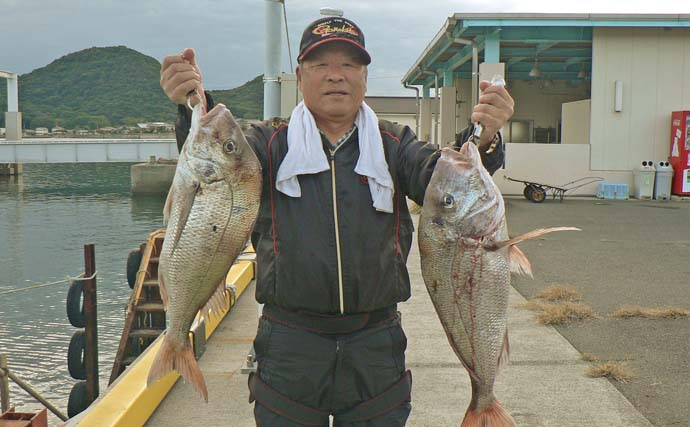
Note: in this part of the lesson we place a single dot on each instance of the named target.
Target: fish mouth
(469, 150)
(217, 110)
(453, 156)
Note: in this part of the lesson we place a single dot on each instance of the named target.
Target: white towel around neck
(306, 156)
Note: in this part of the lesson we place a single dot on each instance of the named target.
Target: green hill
(108, 86)
(245, 101)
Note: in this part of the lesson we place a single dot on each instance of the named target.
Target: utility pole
(272, 58)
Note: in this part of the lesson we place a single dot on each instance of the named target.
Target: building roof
(562, 43)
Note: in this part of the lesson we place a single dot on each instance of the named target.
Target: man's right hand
(180, 75)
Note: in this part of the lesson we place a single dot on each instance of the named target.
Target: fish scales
(211, 209)
(466, 259)
(467, 283)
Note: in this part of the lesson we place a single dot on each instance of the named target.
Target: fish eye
(448, 201)
(229, 146)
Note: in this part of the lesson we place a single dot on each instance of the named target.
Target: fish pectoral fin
(518, 262)
(185, 199)
(167, 209)
(504, 357)
(492, 246)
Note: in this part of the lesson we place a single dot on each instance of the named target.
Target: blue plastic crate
(613, 191)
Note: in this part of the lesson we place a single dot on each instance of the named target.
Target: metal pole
(33, 393)
(4, 385)
(272, 57)
(90, 329)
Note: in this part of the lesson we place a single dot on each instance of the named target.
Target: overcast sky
(228, 35)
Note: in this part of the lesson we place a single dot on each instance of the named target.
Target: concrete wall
(13, 126)
(290, 96)
(534, 101)
(552, 164)
(403, 119)
(152, 178)
(654, 65)
(447, 130)
(576, 122)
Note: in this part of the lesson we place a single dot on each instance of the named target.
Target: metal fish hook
(190, 95)
(497, 80)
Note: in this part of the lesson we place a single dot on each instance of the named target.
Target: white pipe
(416, 103)
(272, 58)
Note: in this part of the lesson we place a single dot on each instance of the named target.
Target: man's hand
(493, 111)
(180, 75)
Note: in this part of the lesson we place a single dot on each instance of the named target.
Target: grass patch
(618, 371)
(537, 306)
(631, 311)
(589, 357)
(565, 312)
(559, 313)
(560, 293)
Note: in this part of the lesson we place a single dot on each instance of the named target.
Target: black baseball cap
(330, 29)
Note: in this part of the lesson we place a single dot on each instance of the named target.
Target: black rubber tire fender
(75, 356)
(133, 263)
(78, 400)
(75, 307)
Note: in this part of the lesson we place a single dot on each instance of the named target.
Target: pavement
(628, 252)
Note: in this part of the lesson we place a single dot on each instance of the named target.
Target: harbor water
(46, 217)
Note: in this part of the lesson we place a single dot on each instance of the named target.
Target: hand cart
(536, 192)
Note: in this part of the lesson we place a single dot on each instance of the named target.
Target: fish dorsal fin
(167, 209)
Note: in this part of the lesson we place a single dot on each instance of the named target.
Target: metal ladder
(145, 318)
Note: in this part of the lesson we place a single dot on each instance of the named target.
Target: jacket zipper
(337, 234)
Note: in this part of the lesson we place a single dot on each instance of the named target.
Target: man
(333, 235)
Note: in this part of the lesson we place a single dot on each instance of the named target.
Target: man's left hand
(493, 111)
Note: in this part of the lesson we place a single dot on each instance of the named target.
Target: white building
(593, 93)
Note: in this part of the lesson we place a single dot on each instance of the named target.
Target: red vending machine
(680, 152)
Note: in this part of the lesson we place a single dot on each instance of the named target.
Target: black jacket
(295, 238)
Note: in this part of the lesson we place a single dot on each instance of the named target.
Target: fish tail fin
(519, 263)
(171, 357)
(492, 416)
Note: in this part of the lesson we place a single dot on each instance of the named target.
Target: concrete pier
(11, 169)
(544, 386)
(154, 177)
(13, 126)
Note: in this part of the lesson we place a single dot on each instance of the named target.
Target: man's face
(333, 80)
